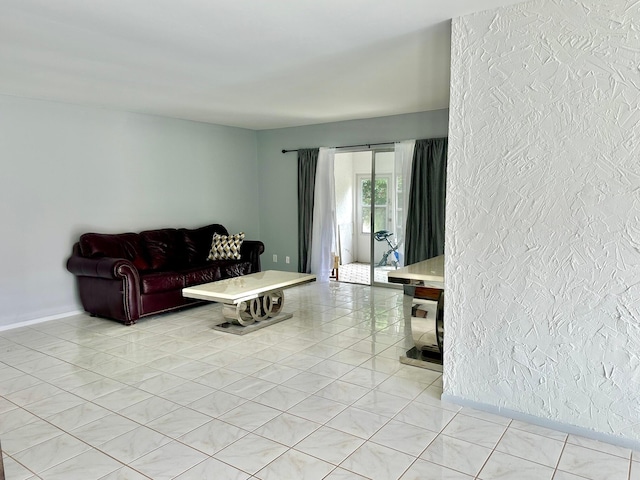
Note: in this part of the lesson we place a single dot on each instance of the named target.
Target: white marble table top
(428, 272)
(246, 287)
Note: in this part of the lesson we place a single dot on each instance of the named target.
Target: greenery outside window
(380, 194)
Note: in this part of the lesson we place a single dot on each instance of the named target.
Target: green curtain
(307, 164)
(424, 236)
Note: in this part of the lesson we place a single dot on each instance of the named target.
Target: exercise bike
(381, 236)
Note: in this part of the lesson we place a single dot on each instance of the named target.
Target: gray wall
(68, 170)
(279, 172)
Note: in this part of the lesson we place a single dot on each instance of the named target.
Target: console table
(427, 311)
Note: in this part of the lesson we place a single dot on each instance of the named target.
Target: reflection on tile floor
(319, 396)
(361, 273)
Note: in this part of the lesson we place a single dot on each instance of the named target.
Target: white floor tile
(213, 469)
(179, 422)
(330, 445)
(15, 471)
(342, 474)
(501, 466)
(381, 403)
(213, 436)
(308, 382)
(545, 432)
(402, 387)
(125, 473)
(187, 393)
(378, 462)
(425, 416)
(15, 418)
(287, 429)
(147, 410)
(343, 392)
(456, 454)
(365, 377)
(593, 464)
(90, 464)
(281, 397)
(168, 461)
(475, 430)
(251, 453)
(358, 422)
(249, 387)
(134, 444)
(104, 429)
(78, 416)
(404, 437)
(250, 415)
(293, 464)
(51, 452)
(530, 446)
(54, 404)
(319, 395)
(560, 475)
(599, 446)
(28, 436)
(276, 373)
(423, 470)
(317, 409)
(217, 403)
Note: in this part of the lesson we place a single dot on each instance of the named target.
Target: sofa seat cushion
(200, 275)
(156, 282)
(233, 268)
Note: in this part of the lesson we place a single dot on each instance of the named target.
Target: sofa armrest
(251, 251)
(104, 267)
(108, 287)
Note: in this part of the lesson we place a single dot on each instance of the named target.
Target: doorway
(368, 216)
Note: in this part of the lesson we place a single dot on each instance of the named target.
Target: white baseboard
(35, 321)
(543, 422)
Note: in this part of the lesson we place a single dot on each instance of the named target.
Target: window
(380, 194)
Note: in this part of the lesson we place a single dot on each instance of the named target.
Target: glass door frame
(392, 197)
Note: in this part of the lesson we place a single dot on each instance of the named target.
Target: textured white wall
(543, 213)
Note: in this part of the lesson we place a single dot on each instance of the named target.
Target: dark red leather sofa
(132, 275)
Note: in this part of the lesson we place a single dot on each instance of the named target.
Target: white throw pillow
(226, 247)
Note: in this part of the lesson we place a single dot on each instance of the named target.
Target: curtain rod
(351, 146)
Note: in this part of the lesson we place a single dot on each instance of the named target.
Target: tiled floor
(321, 395)
(361, 273)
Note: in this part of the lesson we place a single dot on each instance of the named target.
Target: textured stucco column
(543, 213)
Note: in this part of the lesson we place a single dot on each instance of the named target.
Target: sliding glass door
(369, 215)
(386, 216)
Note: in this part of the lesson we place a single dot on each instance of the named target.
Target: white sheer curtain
(403, 162)
(324, 217)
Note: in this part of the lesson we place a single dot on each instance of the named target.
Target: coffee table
(250, 299)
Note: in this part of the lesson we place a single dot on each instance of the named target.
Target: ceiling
(256, 64)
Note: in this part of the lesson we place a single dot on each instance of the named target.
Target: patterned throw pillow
(226, 247)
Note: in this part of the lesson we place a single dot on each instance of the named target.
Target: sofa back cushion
(122, 245)
(163, 247)
(197, 243)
